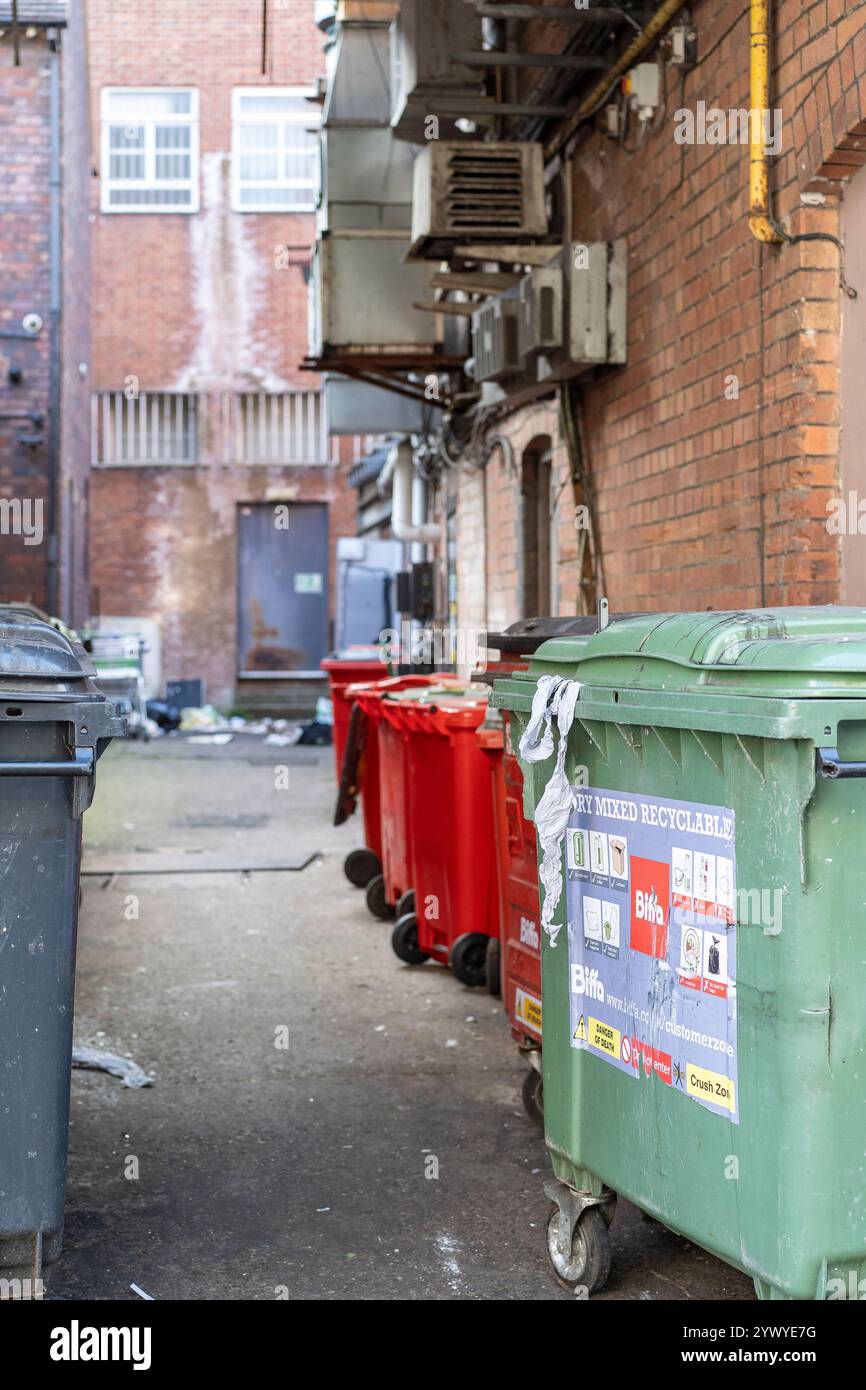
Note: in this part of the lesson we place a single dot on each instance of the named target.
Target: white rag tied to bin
(555, 698)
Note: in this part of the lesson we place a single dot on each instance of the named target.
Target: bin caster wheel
(533, 1096)
(404, 940)
(376, 900)
(469, 958)
(360, 866)
(405, 903)
(587, 1262)
(493, 967)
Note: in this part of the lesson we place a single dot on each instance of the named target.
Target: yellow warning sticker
(527, 1010)
(710, 1086)
(605, 1038)
(580, 1030)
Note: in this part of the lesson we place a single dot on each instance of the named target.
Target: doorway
(536, 512)
(282, 588)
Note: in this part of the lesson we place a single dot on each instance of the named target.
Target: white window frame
(283, 123)
(150, 181)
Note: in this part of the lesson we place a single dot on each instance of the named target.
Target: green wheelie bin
(698, 783)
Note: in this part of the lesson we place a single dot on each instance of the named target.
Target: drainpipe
(402, 472)
(54, 323)
(761, 221)
(418, 552)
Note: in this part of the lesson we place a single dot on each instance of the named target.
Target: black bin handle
(79, 766)
(829, 764)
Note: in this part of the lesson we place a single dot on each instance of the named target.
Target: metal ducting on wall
(406, 524)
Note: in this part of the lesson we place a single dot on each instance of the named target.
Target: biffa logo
(650, 906)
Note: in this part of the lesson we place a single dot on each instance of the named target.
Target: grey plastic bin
(54, 724)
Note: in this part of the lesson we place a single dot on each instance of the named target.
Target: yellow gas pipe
(760, 220)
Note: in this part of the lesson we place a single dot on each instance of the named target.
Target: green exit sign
(308, 584)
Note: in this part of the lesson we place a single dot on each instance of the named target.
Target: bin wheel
(469, 958)
(493, 967)
(533, 1096)
(406, 903)
(588, 1262)
(360, 866)
(404, 940)
(376, 900)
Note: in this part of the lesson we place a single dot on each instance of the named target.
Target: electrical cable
(819, 236)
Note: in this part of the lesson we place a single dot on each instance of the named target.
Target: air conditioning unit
(471, 191)
(574, 311)
(541, 295)
(589, 301)
(425, 80)
(562, 319)
(362, 293)
(366, 179)
(496, 338)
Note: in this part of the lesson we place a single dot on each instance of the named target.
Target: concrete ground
(257, 1171)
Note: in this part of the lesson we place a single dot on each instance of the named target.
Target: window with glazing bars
(275, 150)
(149, 157)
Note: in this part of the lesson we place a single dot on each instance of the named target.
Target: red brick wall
(705, 500)
(24, 147)
(169, 553)
(180, 300)
(25, 142)
(198, 302)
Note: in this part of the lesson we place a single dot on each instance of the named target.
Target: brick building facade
(44, 308)
(202, 416)
(716, 453)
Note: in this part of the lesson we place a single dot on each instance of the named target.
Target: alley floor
(252, 1170)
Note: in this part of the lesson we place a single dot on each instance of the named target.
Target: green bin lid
(788, 652)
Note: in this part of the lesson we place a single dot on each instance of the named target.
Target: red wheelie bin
(518, 952)
(360, 777)
(451, 830)
(382, 777)
(345, 669)
(395, 774)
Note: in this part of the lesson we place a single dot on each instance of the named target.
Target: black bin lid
(525, 637)
(33, 649)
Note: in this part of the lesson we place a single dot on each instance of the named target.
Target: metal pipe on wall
(761, 221)
(648, 35)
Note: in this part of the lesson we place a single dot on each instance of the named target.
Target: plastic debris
(204, 718)
(94, 1059)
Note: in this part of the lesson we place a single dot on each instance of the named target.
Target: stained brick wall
(168, 551)
(179, 299)
(25, 145)
(195, 302)
(713, 492)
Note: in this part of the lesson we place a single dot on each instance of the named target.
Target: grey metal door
(282, 588)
